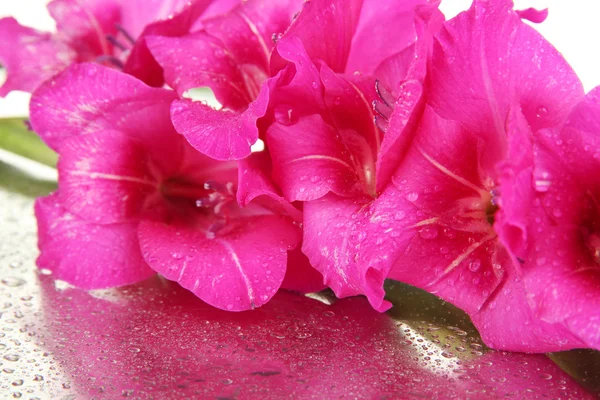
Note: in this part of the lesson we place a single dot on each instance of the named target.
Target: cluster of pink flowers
(459, 156)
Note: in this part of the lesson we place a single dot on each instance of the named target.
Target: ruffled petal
(85, 254)
(87, 98)
(237, 270)
(355, 242)
(508, 323)
(486, 60)
(220, 134)
(562, 279)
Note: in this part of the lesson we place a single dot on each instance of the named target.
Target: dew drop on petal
(412, 197)
(428, 233)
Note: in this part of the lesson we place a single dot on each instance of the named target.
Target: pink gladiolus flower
(111, 32)
(561, 273)
(134, 197)
(231, 56)
(464, 189)
(322, 137)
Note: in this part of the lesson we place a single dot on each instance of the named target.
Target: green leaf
(17, 139)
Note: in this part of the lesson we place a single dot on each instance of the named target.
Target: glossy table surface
(155, 340)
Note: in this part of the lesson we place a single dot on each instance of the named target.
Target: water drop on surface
(12, 357)
(13, 282)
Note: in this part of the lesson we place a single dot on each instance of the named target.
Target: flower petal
(220, 134)
(379, 22)
(179, 58)
(88, 98)
(238, 270)
(104, 177)
(563, 282)
(255, 185)
(140, 62)
(454, 246)
(355, 242)
(508, 323)
(300, 276)
(400, 132)
(247, 30)
(310, 160)
(326, 29)
(29, 56)
(533, 15)
(486, 59)
(515, 186)
(85, 254)
(85, 25)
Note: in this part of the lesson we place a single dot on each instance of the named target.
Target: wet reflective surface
(156, 340)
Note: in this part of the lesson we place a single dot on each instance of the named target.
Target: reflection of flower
(112, 32)
(123, 343)
(145, 178)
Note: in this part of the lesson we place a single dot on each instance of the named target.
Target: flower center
(212, 199)
(594, 246)
(492, 206)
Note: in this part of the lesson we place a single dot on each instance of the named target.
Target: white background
(572, 27)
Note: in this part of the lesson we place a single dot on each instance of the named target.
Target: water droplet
(13, 282)
(541, 112)
(361, 236)
(412, 197)
(474, 265)
(12, 357)
(542, 181)
(18, 382)
(399, 215)
(428, 233)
